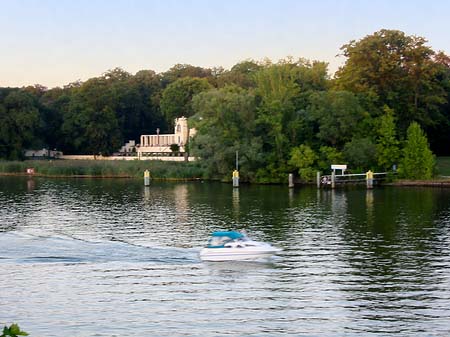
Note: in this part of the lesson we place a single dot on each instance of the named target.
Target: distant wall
(90, 157)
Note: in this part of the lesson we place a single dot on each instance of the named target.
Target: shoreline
(400, 183)
(94, 169)
(89, 176)
(420, 183)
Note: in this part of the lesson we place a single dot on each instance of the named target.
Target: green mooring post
(146, 178)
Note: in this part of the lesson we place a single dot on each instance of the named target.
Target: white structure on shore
(161, 144)
(128, 147)
(152, 147)
(42, 154)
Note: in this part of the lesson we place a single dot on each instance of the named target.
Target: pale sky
(55, 42)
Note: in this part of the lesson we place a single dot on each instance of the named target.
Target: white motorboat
(231, 245)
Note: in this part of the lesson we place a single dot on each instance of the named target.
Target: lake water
(112, 258)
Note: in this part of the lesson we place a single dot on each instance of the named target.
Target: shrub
(13, 331)
(418, 161)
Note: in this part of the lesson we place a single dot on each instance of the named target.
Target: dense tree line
(390, 98)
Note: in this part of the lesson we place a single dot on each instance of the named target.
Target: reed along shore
(163, 170)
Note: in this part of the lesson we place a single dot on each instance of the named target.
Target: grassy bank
(104, 168)
(443, 166)
(129, 169)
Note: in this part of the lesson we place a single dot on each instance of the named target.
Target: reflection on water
(113, 258)
(236, 210)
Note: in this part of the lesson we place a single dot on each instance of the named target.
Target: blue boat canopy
(219, 239)
(231, 234)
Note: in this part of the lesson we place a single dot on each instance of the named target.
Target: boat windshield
(220, 241)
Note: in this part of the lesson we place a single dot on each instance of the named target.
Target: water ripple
(108, 258)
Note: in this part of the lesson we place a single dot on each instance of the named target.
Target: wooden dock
(369, 179)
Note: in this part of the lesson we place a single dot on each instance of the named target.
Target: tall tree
(148, 115)
(282, 90)
(19, 122)
(439, 133)
(388, 146)
(418, 161)
(184, 70)
(129, 104)
(241, 74)
(277, 89)
(225, 123)
(304, 159)
(396, 70)
(176, 100)
(360, 154)
(53, 103)
(339, 117)
(91, 131)
(102, 133)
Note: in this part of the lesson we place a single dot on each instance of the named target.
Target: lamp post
(157, 140)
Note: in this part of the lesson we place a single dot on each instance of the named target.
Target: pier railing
(369, 178)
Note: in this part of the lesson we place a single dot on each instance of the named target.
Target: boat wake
(20, 247)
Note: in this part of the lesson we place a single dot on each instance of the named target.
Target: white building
(154, 144)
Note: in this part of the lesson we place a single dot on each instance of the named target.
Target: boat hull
(236, 254)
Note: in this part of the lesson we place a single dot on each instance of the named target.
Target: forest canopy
(283, 116)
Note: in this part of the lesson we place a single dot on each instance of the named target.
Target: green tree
(19, 122)
(360, 154)
(225, 123)
(136, 104)
(184, 70)
(52, 104)
(310, 77)
(241, 74)
(339, 117)
(176, 100)
(418, 161)
(396, 70)
(328, 156)
(121, 106)
(102, 133)
(439, 133)
(90, 131)
(387, 145)
(277, 89)
(304, 159)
